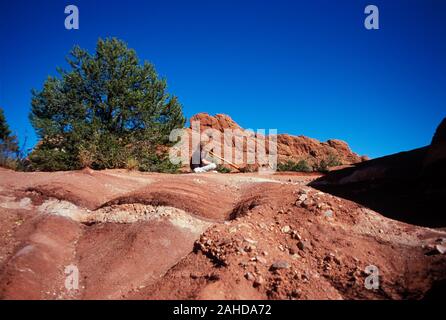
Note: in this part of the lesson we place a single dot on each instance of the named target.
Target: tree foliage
(9, 147)
(290, 165)
(108, 108)
(4, 128)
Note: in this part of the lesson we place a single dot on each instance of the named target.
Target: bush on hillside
(290, 165)
(325, 164)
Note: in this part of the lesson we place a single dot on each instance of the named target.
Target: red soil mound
(203, 237)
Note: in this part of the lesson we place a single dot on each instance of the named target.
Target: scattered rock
(328, 213)
(249, 276)
(440, 248)
(286, 229)
(259, 281)
(225, 242)
(307, 204)
(250, 241)
(213, 277)
(260, 259)
(279, 265)
(295, 293)
(295, 235)
(321, 205)
(302, 245)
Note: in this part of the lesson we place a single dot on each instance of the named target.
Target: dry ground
(211, 236)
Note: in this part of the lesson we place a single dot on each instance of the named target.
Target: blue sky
(303, 67)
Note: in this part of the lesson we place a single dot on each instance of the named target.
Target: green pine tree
(106, 110)
(4, 128)
(9, 147)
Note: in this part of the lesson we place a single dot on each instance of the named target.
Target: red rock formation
(289, 147)
(219, 122)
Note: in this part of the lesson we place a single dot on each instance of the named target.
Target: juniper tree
(106, 109)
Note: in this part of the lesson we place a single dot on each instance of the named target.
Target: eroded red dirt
(211, 236)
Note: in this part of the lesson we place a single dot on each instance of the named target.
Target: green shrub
(107, 110)
(223, 169)
(325, 164)
(290, 165)
(333, 161)
(86, 157)
(322, 166)
(8, 163)
(50, 159)
(132, 164)
(248, 169)
(8, 155)
(158, 163)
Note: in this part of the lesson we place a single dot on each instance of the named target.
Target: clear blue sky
(303, 67)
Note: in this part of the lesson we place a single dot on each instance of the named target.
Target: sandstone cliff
(289, 148)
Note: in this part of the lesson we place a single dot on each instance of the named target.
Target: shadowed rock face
(289, 147)
(435, 162)
(440, 133)
(407, 186)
